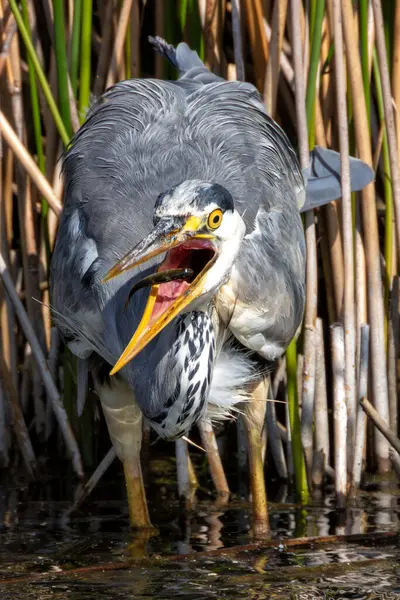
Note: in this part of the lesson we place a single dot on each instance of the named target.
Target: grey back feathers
(141, 139)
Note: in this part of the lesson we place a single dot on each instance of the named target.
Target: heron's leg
(124, 421)
(214, 460)
(254, 422)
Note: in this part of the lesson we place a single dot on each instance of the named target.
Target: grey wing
(113, 173)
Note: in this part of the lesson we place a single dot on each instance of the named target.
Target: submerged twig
(94, 479)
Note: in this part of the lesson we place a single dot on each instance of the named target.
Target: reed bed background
(329, 73)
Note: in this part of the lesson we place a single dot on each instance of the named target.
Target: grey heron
(187, 187)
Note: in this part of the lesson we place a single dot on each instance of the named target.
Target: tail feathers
(185, 60)
(181, 57)
(162, 47)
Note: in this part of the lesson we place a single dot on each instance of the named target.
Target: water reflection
(30, 523)
(38, 535)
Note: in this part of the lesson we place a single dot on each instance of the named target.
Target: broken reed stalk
(339, 412)
(361, 428)
(347, 228)
(380, 424)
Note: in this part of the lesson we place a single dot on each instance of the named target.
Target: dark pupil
(216, 219)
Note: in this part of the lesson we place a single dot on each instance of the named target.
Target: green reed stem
(62, 64)
(194, 25)
(295, 426)
(183, 10)
(36, 119)
(39, 72)
(75, 45)
(387, 186)
(86, 42)
(128, 54)
(318, 9)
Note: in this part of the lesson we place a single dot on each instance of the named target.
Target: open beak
(186, 247)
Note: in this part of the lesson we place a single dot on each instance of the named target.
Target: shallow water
(45, 552)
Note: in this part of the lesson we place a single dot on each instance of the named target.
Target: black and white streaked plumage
(152, 156)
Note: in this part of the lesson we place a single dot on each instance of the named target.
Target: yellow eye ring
(215, 219)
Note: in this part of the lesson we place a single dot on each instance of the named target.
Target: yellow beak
(162, 239)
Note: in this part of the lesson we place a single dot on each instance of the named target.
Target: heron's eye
(215, 219)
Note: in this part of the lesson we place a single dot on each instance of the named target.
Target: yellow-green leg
(254, 422)
(124, 421)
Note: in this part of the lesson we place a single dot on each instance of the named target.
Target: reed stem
(39, 72)
(85, 70)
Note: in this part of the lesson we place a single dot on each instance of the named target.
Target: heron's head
(198, 229)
